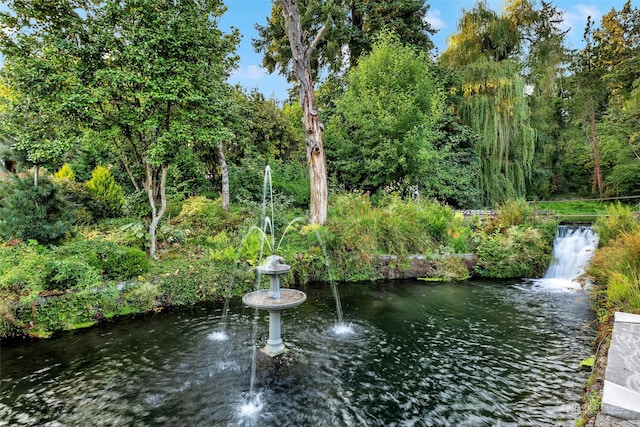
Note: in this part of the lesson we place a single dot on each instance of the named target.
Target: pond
(415, 353)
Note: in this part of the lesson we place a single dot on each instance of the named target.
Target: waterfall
(573, 248)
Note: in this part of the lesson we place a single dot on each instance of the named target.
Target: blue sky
(443, 16)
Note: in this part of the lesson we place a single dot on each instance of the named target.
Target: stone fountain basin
(289, 298)
(271, 269)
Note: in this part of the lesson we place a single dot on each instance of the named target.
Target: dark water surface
(420, 354)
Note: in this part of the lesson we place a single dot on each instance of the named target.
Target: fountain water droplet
(218, 336)
(251, 406)
(343, 329)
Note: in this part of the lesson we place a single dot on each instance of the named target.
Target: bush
(116, 262)
(198, 282)
(619, 220)
(124, 263)
(23, 268)
(66, 311)
(516, 252)
(34, 213)
(65, 173)
(108, 194)
(515, 212)
(70, 274)
(207, 216)
(144, 297)
(615, 269)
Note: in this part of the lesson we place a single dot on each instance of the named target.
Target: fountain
(275, 300)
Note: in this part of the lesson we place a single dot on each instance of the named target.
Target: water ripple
(478, 354)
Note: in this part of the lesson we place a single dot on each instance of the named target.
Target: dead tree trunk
(301, 54)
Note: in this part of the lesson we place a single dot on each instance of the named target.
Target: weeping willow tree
(484, 55)
(495, 106)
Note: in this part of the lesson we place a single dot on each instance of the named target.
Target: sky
(443, 16)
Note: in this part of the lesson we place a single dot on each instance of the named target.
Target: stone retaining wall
(391, 267)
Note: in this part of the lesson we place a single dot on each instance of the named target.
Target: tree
(302, 48)
(34, 115)
(494, 102)
(383, 131)
(143, 75)
(351, 27)
(615, 56)
(34, 212)
(544, 59)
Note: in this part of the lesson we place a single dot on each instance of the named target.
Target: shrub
(28, 212)
(23, 268)
(65, 173)
(71, 273)
(517, 252)
(144, 297)
(208, 216)
(67, 310)
(8, 305)
(116, 262)
(514, 212)
(619, 220)
(134, 234)
(198, 282)
(108, 194)
(616, 271)
(136, 205)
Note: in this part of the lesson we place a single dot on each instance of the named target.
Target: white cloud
(434, 18)
(575, 19)
(249, 73)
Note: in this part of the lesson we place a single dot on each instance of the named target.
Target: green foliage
(65, 311)
(144, 297)
(151, 95)
(134, 234)
(208, 216)
(65, 173)
(588, 362)
(515, 252)
(515, 212)
(507, 97)
(291, 180)
(354, 25)
(451, 269)
(199, 281)
(358, 232)
(383, 131)
(123, 263)
(453, 166)
(77, 265)
(28, 212)
(114, 261)
(619, 220)
(136, 205)
(616, 270)
(23, 268)
(108, 194)
(580, 208)
(70, 273)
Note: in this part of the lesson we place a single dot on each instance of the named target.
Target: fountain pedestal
(274, 300)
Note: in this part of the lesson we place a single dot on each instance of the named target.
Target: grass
(577, 210)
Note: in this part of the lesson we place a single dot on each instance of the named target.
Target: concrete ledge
(621, 393)
(626, 317)
(620, 401)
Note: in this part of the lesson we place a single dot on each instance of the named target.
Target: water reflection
(414, 354)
